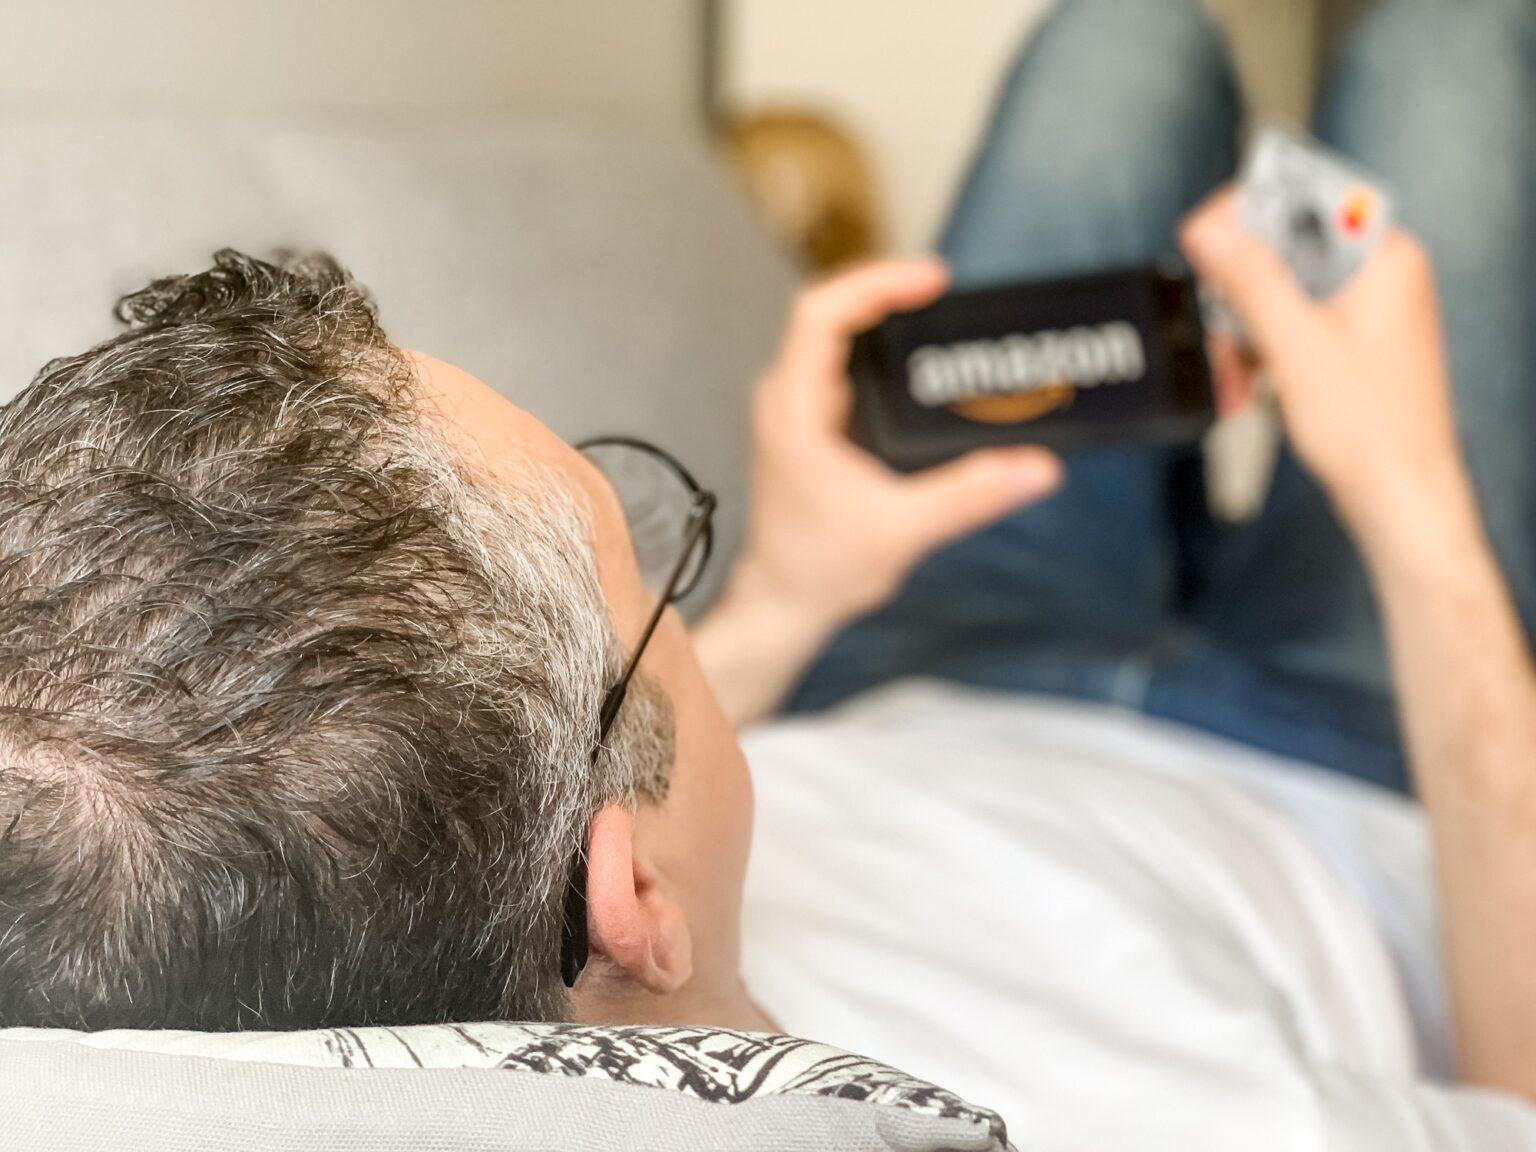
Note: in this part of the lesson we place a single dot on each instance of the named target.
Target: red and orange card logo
(1356, 211)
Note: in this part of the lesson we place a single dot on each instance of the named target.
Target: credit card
(1322, 214)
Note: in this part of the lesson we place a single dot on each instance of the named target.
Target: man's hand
(831, 531)
(830, 526)
(1361, 377)
(1365, 392)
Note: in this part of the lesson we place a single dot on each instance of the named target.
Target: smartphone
(1115, 357)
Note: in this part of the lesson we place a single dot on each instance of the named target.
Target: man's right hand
(1364, 389)
(1361, 377)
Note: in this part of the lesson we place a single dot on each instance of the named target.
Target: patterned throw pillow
(712, 1064)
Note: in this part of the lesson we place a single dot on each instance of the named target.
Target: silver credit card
(1324, 216)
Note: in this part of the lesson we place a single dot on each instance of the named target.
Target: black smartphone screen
(1071, 363)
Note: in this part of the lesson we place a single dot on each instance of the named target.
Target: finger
(828, 316)
(1399, 270)
(1248, 274)
(1234, 374)
(954, 499)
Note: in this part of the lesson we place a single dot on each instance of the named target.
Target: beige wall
(599, 57)
(914, 78)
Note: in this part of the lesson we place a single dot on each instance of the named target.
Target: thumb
(1248, 274)
(954, 499)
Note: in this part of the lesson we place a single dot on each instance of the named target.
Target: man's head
(302, 646)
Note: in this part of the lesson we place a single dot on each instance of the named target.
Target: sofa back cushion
(609, 280)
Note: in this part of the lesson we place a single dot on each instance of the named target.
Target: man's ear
(633, 920)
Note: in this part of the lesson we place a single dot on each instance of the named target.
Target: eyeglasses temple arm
(615, 699)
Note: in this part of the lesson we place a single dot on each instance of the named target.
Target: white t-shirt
(1120, 934)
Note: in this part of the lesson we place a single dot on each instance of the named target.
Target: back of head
(296, 711)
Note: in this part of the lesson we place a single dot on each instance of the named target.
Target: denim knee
(1455, 73)
(1113, 119)
(1174, 32)
(1147, 56)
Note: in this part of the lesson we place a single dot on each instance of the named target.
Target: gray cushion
(605, 280)
(477, 1086)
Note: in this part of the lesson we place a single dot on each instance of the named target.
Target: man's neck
(604, 999)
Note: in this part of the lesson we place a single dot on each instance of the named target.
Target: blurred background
(600, 207)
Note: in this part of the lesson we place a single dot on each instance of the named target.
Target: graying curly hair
(297, 710)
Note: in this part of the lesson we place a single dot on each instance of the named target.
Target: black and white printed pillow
(712, 1064)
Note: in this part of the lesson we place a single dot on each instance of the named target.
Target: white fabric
(1118, 933)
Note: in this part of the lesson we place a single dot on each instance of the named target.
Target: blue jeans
(1117, 117)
